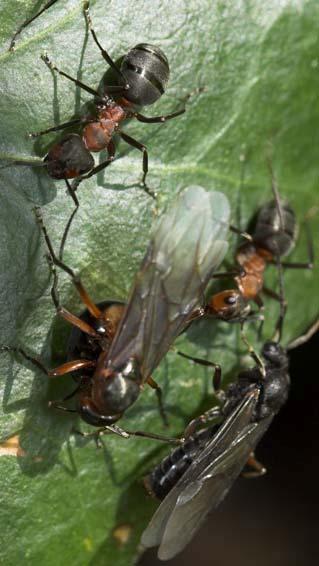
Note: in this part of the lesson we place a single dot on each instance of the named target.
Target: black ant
(197, 475)
(120, 346)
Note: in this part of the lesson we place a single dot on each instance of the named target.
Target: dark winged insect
(121, 346)
(196, 476)
(273, 235)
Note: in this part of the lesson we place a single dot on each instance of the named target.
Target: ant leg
(83, 121)
(203, 419)
(78, 83)
(304, 337)
(29, 21)
(61, 370)
(311, 255)
(152, 383)
(164, 118)
(67, 315)
(217, 369)
(257, 359)
(67, 228)
(114, 429)
(235, 272)
(142, 148)
(26, 356)
(258, 469)
(155, 119)
(104, 53)
(98, 168)
(283, 303)
(275, 192)
(87, 301)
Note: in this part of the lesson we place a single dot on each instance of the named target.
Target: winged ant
(197, 475)
(120, 346)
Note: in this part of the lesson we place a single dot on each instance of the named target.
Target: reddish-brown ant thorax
(97, 136)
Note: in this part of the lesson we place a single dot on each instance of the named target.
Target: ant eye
(230, 300)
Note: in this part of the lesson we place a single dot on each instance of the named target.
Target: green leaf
(259, 63)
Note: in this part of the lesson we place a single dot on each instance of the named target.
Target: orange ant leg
(257, 468)
(87, 301)
(152, 383)
(64, 313)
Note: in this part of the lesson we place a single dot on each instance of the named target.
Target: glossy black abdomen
(163, 478)
(268, 232)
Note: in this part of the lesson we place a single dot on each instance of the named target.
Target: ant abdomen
(146, 69)
(275, 234)
(69, 158)
(115, 393)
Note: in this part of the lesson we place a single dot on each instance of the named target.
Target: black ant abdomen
(275, 228)
(146, 69)
(68, 158)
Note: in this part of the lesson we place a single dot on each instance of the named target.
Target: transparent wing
(187, 245)
(231, 429)
(204, 493)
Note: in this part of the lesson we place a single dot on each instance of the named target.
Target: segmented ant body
(142, 79)
(119, 347)
(197, 475)
(273, 236)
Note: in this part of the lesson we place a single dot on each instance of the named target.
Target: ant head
(69, 158)
(146, 69)
(114, 391)
(228, 305)
(274, 354)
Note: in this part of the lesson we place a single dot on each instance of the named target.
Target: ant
(273, 236)
(142, 76)
(118, 346)
(196, 476)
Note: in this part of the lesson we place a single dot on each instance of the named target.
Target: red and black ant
(117, 347)
(142, 76)
(273, 235)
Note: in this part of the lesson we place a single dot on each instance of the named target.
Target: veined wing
(187, 245)
(205, 491)
(228, 432)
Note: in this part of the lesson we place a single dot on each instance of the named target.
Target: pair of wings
(186, 247)
(206, 482)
